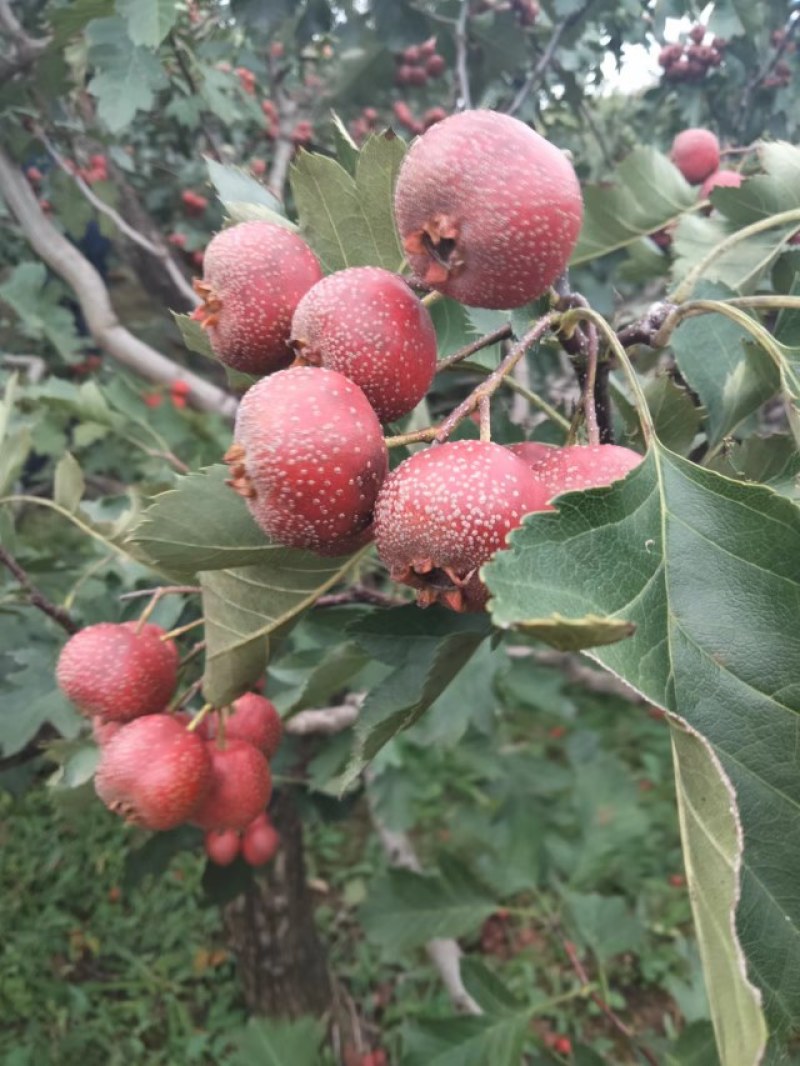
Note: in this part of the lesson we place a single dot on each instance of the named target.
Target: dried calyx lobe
(309, 458)
(488, 210)
(445, 511)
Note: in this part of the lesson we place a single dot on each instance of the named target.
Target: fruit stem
(182, 699)
(488, 387)
(431, 298)
(198, 718)
(500, 334)
(182, 629)
(156, 596)
(485, 411)
(589, 409)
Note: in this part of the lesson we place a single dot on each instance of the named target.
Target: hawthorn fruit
(368, 325)
(309, 458)
(260, 841)
(255, 720)
(445, 511)
(488, 211)
(240, 786)
(729, 179)
(118, 671)
(222, 846)
(254, 276)
(695, 152)
(154, 772)
(584, 467)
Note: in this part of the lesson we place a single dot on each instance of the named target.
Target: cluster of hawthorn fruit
(488, 213)
(691, 59)
(159, 768)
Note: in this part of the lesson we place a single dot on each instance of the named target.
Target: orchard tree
(471, 361)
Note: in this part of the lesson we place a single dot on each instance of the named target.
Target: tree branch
(25, 49)
(36, 597)
(462, 72)
(159, 251)
(326, 721)
(67, 262)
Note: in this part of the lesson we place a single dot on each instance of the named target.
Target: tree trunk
(270, 929)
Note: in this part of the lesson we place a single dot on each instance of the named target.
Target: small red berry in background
(153, 399)
(677, 880)
(222, 846)
(247, 80)
(562, 1045)
(34, 175)
(260, 841)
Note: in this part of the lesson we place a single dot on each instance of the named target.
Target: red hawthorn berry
(488, 211)
(435, 66)
(198, 258)
(260, 841)
(270, 110)
(531, 451)
(152, 399)
(403, 114)
(258, 167)
(309, 458)
(370, 115)
(254, 275)
(401, 76)
(432, 116)
(153, 772)
(411, 55)
(46, 206)
(303, 133)
(240, 787)
(222, 846)
(669, 54)
(255, 720)
(247, 80)
(415, 76)
(427, 48)
(113, 671)
(730, 179)
(695, 152)
(445, 511)
(367, 323)
(178, 401)
(697, 33)
(583, 467)
(181, 387)
(98, 160)
(193, 203)
(677, 880)
(178, 240)
(103, 731)
(34, 175)
(562, 1045)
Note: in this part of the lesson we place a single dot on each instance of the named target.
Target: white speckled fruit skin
(315, 456)
(584, 467)
(695, 152)
(453, 505)
(153, 772)
(367, 324)
(259, 271)
(241, 786)
(112, 671)
(512, 194)
(253, 719)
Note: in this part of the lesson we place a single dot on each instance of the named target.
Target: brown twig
(589, 409)
(36, 597)
(616, 1021)
(501, 334)
(490, 385)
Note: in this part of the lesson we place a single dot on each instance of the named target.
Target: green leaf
(405, 909)
(31, 699)
(741, 267)
(648, 193)
(772, 460)
(68, 483)
(270, 1042)
(126, 75)
(243, 606)
(72, 18)
(346, 147)
(38, 305)
(712, 848)
(676, 416)
(732, 376)
(194, 336)
(149, 21)
(695, 1046)
(467, 1042)
(201, 524)
(350, 221)
(244, 197)
(573, 634)
(427, 650)
(605, 924)
(709, 571)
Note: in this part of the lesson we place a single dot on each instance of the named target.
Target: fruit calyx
(207, 314)
(438, 239)
(238, 481)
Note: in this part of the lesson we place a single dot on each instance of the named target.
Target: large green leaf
(468, 1041)
(39, 307)
(126, 75)
(709, 570)
(202, 525)
(772, 460)
(404, 909)
(29, 699)
(712, 850)
(149, 21)
(426, 650)
(349, 221)
(270, 1042)
(742, 266)
(648, 193)
(732, 376)
(244, 605)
